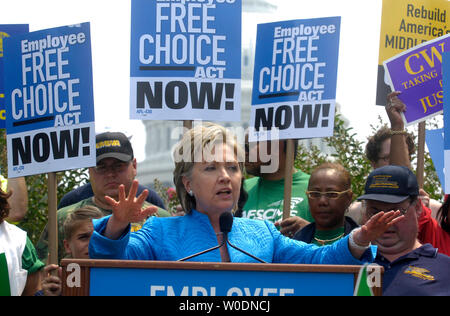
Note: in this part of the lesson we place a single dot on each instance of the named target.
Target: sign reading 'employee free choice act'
(185, 60)
(294, 81)
(49, 98)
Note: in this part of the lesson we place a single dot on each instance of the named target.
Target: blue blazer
(173, 238)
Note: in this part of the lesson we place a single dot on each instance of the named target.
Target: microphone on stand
(226, 222)
(223, 226)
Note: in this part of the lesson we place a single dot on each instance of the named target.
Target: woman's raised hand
(127, 210)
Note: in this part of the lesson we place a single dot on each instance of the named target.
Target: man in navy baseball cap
(113, 145)
(410, 268)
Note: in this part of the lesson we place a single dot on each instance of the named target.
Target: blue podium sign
(157, 278)
(217, 283)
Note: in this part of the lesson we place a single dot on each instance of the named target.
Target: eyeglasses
(403, 210)
(331, 195)
(114, 168)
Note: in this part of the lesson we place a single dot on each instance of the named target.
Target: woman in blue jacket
(208, 173)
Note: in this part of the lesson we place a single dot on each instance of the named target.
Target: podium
(162, 278)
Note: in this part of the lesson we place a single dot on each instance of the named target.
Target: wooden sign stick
(288, 178)
(52, 219)
(421, 155)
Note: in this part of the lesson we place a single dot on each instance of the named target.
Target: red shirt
(431, 232)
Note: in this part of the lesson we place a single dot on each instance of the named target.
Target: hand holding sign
(394, 109)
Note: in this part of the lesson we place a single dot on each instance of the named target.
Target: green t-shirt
(30, 263)
(30, 260)
(42, 245)
(265, 198)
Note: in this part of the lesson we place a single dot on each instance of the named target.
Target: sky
(110, 41)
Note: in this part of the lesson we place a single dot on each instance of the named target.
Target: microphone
(225, 228)
(226, 222)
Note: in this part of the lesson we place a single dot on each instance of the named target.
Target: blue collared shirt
(423, 271)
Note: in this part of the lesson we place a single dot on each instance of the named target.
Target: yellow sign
(408, 23)
(405, 24)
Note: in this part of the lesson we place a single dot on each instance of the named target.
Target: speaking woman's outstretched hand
(127, 210)
(377, 225)
(373, 229)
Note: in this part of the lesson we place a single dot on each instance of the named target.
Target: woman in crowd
(207, 176)
(329, 196)
(19, 264)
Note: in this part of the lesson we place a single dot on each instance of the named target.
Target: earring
(191, 193)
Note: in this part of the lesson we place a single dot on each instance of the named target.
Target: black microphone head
(225, 222)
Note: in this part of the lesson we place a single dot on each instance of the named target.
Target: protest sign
(294, 80)
(405, 24)
(185, 60)
(435, 143)
(49, 99)
(446, 89)
(7, 30)
(417, 74)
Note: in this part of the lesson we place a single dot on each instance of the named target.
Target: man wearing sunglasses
(410, 267)
(116, 166)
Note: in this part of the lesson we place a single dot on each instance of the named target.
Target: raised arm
(399, 154)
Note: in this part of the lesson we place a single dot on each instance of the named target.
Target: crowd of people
(393, 224)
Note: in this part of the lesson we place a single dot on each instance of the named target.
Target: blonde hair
(196, 146)
(81, 214)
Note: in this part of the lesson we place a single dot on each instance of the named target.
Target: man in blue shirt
(410, 267)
